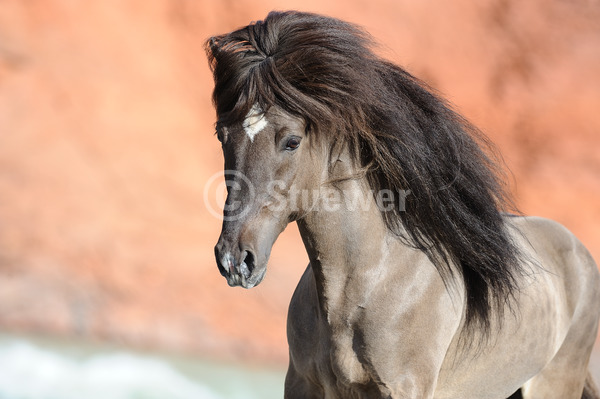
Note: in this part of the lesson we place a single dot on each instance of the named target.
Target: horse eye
(292, 143)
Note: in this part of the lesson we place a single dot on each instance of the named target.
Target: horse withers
(419, 284)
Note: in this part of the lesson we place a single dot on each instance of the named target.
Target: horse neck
(346, 249)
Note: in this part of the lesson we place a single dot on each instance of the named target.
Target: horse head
(268, 164)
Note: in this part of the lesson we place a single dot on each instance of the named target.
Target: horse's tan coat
(379, 322)
(372, 318)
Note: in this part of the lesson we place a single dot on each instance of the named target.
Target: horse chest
(360, 345)
(323, 355)
(330, 362)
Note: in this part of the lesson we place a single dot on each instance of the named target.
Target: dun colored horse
(419, 284)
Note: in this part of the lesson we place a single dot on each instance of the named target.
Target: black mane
(323, 70)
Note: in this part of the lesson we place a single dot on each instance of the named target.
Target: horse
(424, 280)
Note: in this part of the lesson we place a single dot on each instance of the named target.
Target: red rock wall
(106, 145)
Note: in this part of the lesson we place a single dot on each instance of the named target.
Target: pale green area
(36, 368)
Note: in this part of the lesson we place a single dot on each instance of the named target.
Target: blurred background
(107, 153)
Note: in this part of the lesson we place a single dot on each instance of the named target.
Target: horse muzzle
(239, 269)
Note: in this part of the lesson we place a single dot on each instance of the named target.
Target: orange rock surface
(106, 146)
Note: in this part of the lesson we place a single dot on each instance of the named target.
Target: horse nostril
(248, 264)
(249, 260)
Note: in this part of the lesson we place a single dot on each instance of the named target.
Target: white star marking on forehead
(254, 122)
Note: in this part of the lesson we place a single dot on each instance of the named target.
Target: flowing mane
(403, 136)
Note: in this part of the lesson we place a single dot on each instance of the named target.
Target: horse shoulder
(403, 334)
